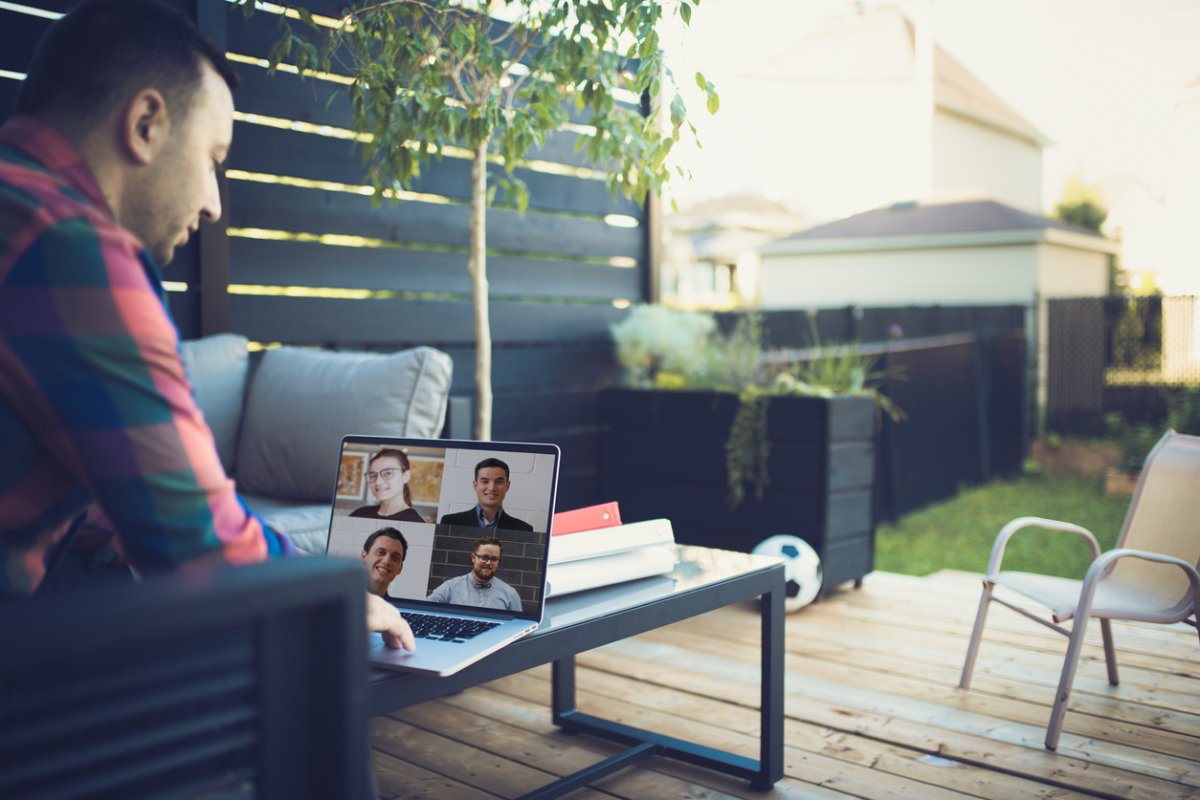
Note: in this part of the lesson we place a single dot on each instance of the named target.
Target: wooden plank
(275, 151)
(470, 764)
(1012, 701)
(907, 763)
(288, 96)
(269, 262)
(314, 211)
(699, 719)
(398, 778)
(399, 323)
(570, 366)
(560, 754)
(530, 713)
(1009, 742)
(21, 35)
(871, 706)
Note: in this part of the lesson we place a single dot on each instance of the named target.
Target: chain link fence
(1132, 358)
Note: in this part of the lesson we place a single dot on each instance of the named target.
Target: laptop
(408, 511)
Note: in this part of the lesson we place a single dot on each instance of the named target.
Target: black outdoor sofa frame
(227, 681)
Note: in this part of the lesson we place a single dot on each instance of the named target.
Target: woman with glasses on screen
(387, 475)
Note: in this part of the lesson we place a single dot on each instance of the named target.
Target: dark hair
(482, 540)
(400, 456)
(491, 462)
(101, 53)
(391, 533)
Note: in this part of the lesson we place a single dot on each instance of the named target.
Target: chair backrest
(1164, 517)
(215, 681)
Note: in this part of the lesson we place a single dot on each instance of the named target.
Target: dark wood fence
(302, 255)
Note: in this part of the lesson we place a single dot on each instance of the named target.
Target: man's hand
(382, 616)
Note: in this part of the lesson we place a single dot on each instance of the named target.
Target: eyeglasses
(386, 474)
(488, 559)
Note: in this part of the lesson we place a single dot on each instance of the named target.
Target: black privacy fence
(1119, 360)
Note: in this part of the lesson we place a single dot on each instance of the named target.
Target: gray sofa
(278, 421)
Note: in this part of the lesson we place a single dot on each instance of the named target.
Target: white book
(608, 541)
(590, 573)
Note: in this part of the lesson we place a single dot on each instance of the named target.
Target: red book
(605, 515)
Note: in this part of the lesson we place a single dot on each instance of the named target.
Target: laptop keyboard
(446, 629)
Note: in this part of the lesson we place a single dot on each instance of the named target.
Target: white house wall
(971, 158)
(944, 276)
(1070, 272)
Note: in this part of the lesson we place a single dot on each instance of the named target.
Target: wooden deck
(872, 709)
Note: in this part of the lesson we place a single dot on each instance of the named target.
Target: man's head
(383, 553)
(491, 484)
(146, 99)
(485, 558)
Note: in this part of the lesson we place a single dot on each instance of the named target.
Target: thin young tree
(497, 78)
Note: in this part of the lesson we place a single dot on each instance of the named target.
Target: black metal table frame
(558, 645)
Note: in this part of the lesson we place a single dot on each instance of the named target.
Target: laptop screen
(447, 522)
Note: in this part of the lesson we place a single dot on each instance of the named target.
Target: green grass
(959, 533)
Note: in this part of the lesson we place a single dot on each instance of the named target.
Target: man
(480, 587)
(491, 484)
(110, 164)
(383, 553)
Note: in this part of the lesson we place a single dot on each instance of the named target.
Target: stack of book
(591, 548)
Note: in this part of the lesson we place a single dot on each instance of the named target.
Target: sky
(1100, 78)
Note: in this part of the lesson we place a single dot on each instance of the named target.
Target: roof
(958, 91)
(932, 224)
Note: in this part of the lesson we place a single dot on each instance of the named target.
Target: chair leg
(1110, 653)
(973, 648)
(1074, 649)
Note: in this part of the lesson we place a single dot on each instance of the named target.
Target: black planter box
(662, 454)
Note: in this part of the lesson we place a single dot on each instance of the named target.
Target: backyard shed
(972, 252)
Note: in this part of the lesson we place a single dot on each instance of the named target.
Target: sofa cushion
(307, 525)
(301, 402)
(216, 366)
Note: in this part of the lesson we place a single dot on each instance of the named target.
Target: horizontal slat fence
(313, 261)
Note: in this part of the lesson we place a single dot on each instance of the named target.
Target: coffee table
(704, 579)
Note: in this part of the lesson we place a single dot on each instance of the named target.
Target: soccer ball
(802, 566)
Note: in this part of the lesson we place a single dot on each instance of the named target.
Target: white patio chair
(1151, 575)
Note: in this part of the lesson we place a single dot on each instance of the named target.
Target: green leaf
(702, 82)
(714, 103)
(685, 11)
(678, 110)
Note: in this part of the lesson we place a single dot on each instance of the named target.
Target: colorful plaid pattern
(94, 403)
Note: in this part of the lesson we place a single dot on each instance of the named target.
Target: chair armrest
(1100, 568)
(1020, 523)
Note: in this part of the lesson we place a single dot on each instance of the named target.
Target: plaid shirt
(95, 408)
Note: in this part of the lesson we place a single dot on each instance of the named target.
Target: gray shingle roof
(922, 219)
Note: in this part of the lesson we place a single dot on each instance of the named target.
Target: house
(973, 252)
(711, 254)
(863, 110)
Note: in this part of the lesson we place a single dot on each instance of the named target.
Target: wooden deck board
(872, 704)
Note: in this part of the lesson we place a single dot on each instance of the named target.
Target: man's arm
(91, 364)
(442, 593)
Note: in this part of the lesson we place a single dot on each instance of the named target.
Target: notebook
(409, 511)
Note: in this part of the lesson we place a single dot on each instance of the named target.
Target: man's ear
(145, 126)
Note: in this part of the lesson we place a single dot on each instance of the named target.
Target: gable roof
(908, 225)
(877, 47)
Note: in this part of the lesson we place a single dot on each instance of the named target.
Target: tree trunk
(477, 265)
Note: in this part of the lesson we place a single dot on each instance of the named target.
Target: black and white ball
(802, 565)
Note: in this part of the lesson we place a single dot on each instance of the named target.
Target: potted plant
(733, 444)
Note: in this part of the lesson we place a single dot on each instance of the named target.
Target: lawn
(959, 533)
